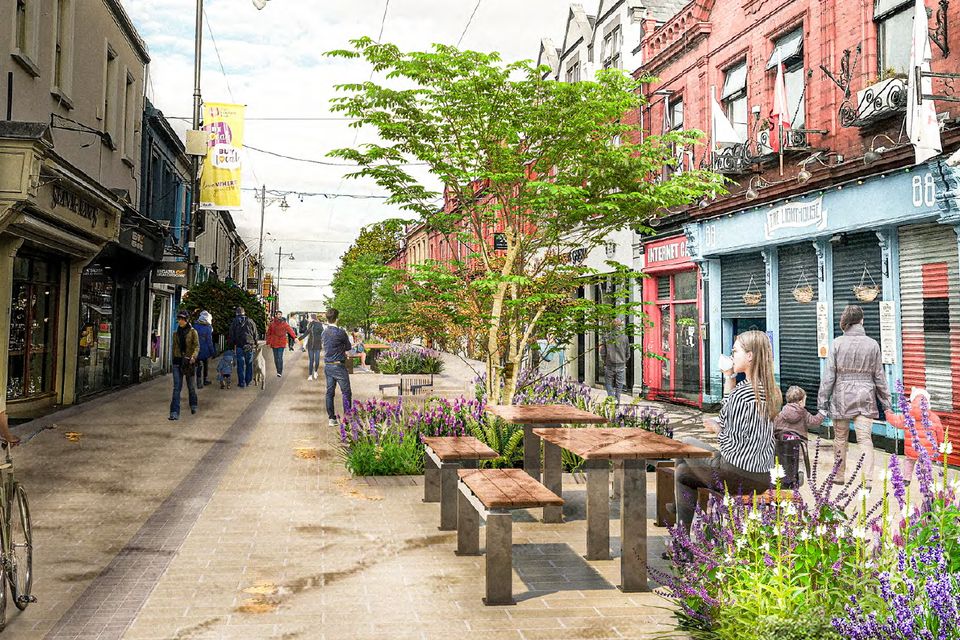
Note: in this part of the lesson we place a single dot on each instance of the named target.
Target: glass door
(686, 362)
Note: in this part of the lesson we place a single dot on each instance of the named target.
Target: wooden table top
(544, 414)
(508, 489)
(375, 345)
(452, 448)
(620, 444)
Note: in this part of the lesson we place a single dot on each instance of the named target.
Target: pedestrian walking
(225, 368)
(615, 351)
(243, 339)
(278, 333)
(850, 389)
(204, 328)
(313, 333)
(186, 349)
(336, 344)
(302, 327)
(928, 436)
(290, 338)
(745, 457)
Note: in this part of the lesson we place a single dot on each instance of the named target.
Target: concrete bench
(408, 384)
(493, 494)
(442, 458)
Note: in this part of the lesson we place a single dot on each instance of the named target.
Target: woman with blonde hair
(745, 457)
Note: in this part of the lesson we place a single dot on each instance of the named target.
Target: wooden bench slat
(452, 448)
(508, 489)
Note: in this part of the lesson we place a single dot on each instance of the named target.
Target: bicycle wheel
(20, 562)
(3, 574)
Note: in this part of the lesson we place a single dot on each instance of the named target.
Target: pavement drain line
(110, 604)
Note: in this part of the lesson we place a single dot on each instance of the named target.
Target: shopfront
(875, 243)
(34, 321)
(95, 344)
(673, 292)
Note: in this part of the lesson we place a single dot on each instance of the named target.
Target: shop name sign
(171, 273)
(796, 216)
(76, 204)
(667, 252)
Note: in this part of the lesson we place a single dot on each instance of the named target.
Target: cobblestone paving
(241, 522)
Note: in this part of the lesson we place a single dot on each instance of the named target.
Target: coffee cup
(725, 362)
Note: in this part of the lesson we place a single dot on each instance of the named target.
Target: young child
(794, 418)
(225, 368)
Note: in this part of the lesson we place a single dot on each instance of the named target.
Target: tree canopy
(553, 167)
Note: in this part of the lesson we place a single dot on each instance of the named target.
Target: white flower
(753, 515)
(743, 529)
(728, 559)
(740, 543)
(777, 530)
(886, 475)
(946, 447)
(841, 531)
(955, 485)
(863, 494)
(804, 535)
(765, 546)
(777, 473)
(859, 533)
(821, 530)
(869, 564)
(719, 575)
(776, 571)
(790, 511)
(727, 501)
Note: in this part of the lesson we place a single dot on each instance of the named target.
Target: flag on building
(780, 112)
(922, 126)
(724, 135)
(220, 177)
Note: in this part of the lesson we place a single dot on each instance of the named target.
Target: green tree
(551, 164)
(221, 300)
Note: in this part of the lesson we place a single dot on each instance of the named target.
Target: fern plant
(503, 437)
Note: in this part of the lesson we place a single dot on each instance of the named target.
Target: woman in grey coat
(851, 388)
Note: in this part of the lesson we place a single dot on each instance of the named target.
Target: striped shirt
(746, 432)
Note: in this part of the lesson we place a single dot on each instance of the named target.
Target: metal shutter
(735, 274)
(930, 316)
(663, 287)
(849, 258)
(799, 364)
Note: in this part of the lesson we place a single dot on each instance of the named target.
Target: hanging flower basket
(803, 292)
(750, 297)
(866, 292)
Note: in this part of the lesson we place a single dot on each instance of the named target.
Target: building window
(894, 28)
(129, 114)
(110, 96)
(25, 35)
(789, 50)
(33, 327)
(734, 98)
(573, 72)
(675, 116)
(63, 49)
(612, 44)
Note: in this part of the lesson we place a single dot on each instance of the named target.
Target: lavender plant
(407, 358)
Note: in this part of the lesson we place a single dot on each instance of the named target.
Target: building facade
(69, 176)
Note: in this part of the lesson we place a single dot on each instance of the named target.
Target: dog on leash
(259, 367)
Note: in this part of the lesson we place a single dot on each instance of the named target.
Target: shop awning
(787, 48)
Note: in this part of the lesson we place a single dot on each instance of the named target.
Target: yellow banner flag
(220, 178)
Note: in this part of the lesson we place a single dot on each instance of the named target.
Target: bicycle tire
(20, 563)
(4, 534)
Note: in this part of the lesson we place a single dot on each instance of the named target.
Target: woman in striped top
(745, 430)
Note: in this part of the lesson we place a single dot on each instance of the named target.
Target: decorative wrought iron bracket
(938, 35)
(847, 111)
(949, 92)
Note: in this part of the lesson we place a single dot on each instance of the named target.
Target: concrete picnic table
(598, 447)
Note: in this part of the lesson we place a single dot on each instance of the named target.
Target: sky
(273, 62)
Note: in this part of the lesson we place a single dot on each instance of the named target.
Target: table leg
(448, 495)
(633, 527)
(598, 509)
(468, 527)
(499, 558)
(431, 479)
(552, 479)
(531, 452)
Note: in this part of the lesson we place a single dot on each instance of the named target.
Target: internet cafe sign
(664, 252)
(171, 273)
(796, 216)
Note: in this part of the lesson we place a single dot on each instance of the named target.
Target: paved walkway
(241, 522)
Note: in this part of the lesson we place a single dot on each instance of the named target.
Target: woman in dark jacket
(851, 388)
(204, 329)
(186, 348)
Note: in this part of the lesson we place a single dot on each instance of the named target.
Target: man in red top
(277, 334)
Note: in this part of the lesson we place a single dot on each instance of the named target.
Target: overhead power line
(278, 118)
(469, 21)
(306, 194)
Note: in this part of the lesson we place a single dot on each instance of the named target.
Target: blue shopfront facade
(843, 245)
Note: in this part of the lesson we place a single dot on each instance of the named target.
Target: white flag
(724, 135)
(922, 126)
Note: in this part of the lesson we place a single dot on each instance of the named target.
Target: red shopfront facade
(673, 294)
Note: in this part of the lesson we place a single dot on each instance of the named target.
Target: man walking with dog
(243, 337)
(336, 344)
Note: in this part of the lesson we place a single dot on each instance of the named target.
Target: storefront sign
(669, 251)
(577, 256)
(888, 332)
(499, 242)
(171, 273)
(823, 330)
(136, 240)
(252, 284)
(796, 216)
(76, 204)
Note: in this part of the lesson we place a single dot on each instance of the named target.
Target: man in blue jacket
(336, 343)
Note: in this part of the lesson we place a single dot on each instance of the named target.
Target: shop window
(33, 328)
(894, 20)
(685, 285)
(734, 98)
(789, 50)
(94, 371)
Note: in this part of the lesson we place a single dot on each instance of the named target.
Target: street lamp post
(262, 196)
(195, 160)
